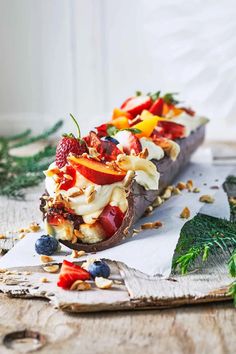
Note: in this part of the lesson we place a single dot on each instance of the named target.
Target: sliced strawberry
(102, 130)
(129, 141)
(111, 219)
(107, 149)
(172, 130)
(68, 178)
(69, 273)
(135, 105)
(157, 107)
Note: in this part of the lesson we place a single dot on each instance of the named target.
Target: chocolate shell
(139, 198)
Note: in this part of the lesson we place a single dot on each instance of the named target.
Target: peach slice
(146, 126)
(120, 123)
(95, 171)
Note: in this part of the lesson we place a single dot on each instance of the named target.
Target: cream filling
(191, 123)
(154, 151)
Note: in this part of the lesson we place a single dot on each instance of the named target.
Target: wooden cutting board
(132, 289)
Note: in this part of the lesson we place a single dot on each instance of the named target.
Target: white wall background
(86, 56)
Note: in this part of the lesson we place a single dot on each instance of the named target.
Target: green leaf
(111, 130)
(170, 99)
(138, 93)
(154, 96)
(232, 292)
(133, 130)
(232, 264)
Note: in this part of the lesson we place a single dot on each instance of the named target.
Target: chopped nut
(143, 154)
(89, 190)
(21, 236)
(189, 185)
(206, 198)
(52, 268)
(196, 190)
(34, 227)
(44, 280)
(2, 237)
(3, 270)
(103, 283)
(149, 210)
(176, 191)
(46, 259)
(128, 178)
(77, 254)
(181, 186)
(76, 194)
(158, 201)
(151, 225)
(185, 214)
(167, 194)
(91, 197)
(80, 285)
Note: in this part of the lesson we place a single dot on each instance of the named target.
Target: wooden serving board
(132, 289)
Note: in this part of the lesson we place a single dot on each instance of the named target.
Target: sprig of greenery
(18, 173)
(112, 130)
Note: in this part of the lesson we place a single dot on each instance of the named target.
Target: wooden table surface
(194, 329)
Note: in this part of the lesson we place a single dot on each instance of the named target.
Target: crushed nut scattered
(151, 225)
(149, 210)
(189, 185)
(185, 214)
(176, 191)
(34, 227)
(157, 202)
(44, 280)
(167, 193)
(2, 237)
(196, 190)
(45, 259)
(21, 236)
(52, 268)
(77, 254)
(206, 198)
(3, 270)
(103, 283)
(181, 186)
(80, 285)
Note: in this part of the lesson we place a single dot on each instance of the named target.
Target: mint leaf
(169, 98)
(111, 130)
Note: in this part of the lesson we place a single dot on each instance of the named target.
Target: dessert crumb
(44, 280)
(196, 190)
(2, 237)
(185, 214)
(181, 186)
(151, 225)
(45, 259)
(80, 285)
(103, 283)
(206, 198)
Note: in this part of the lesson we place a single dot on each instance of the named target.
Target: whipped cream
(80, 203)
(154, 151)
(191, 123)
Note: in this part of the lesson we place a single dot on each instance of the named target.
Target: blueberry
(46, 245)
(113, 140)
(99, 269)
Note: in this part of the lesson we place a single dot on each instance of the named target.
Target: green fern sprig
(18, 173)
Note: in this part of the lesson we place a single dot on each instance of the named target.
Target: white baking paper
(150, 251)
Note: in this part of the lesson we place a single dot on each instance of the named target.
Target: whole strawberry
(69, 144)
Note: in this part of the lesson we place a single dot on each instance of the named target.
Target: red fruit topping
(102, 130)
(68, 178)
(111, 219)
(107, 149)
(66, 146)
(157, 107)
(69, 273)
(188, 111)
(135, 105)
(172, 130)
(129, 141)
(96, 172)
(55, 219)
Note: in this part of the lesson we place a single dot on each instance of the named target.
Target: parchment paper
(150, 251)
